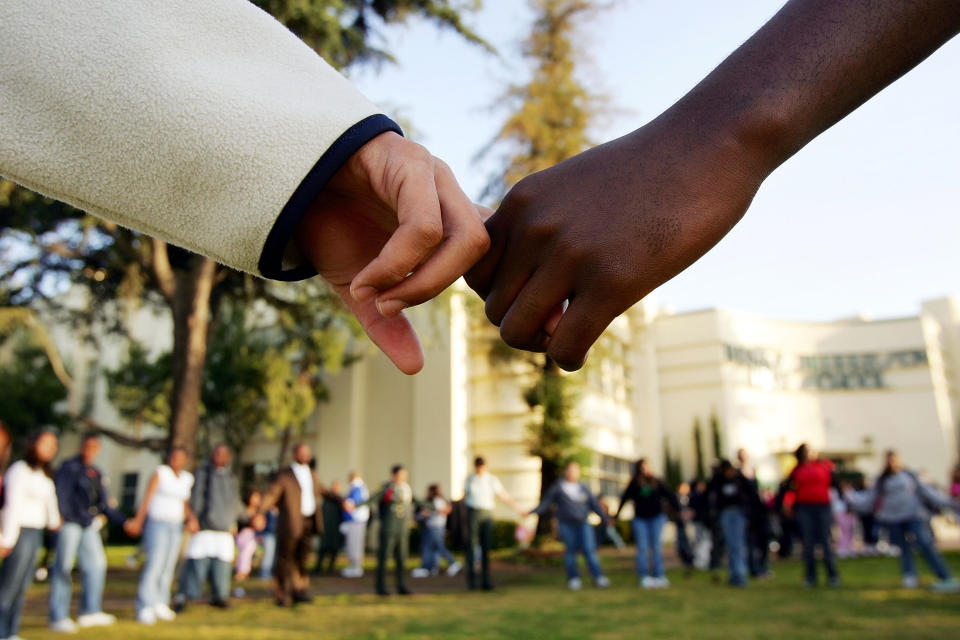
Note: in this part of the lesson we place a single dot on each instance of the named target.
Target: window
(257, 475)
(128, 492)
(613, 473)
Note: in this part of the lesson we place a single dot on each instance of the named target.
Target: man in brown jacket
(297, 493)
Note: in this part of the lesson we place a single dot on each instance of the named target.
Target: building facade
(850, 388)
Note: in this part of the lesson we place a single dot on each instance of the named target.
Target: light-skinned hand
(391, 230)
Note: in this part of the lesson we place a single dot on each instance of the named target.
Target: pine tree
(549, 123)
(715, 434)
(698, 448)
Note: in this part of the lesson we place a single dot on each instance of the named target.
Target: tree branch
(153, 444)
(28, 319)
(166, 280)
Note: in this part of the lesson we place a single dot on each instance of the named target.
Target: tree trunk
(284, 445)
(549, 472)
(549, 469)
(190, 305)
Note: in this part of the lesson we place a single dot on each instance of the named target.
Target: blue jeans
(733, 523)
(646, 534)
(161, 546)
(269, 542)
(84, 545)
(16, 576)
(901, 534)
(815, 521)
(433, 547)
(578, 537)
(196, 571)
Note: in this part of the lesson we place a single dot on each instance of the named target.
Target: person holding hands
(481, 491)
(574, 502)
(164, 510)
(29, 507)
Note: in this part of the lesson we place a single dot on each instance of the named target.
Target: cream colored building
(851, 388)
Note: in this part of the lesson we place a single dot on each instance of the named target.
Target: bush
(503, 534)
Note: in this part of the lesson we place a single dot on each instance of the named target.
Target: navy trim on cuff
(271, 258)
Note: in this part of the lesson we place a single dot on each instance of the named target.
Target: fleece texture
(203, 122)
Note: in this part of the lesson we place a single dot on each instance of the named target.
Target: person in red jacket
(811, 480)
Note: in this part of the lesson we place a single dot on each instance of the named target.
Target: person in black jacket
(648, 495)
(731, 495)
(85, 509)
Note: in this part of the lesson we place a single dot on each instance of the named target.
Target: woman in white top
(165, 507)
(30, 506)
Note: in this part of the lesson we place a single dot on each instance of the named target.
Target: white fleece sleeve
(203, 122)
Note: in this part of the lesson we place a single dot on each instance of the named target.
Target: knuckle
(421, 155)
(523, 193)
(429, 230)
(477, 240)
(440, 166)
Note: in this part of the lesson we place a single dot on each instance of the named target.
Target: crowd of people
(727, 516)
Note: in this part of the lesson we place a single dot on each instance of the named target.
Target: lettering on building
(772, 368)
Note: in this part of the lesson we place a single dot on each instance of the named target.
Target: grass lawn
(532, 602)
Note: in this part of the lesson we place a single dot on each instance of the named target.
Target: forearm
(812, 64)
(206, 124)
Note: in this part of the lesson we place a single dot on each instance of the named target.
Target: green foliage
(715, 435)
(552, 437)
(253, 383)
(344, 32)
(550, 121)
(31, 396)
(672, 468)
(140, 388)
(698, 448)
(552, 113)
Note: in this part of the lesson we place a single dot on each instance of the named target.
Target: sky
(864, 220)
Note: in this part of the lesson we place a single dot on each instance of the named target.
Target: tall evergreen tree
(550, 121)
(52, 244)
(716, 436)
(698, 448)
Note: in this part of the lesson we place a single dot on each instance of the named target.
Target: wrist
(367, 161)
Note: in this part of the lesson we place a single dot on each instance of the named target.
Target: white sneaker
(910, 582)
(98, 619)
(352, 572)
(163, 612)
(420, 572)
(661, 582)
(575, 584)
(602, 582)
(454, 569)
(147, 616)
(64, 626)
(951, 585)
(648, 582)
